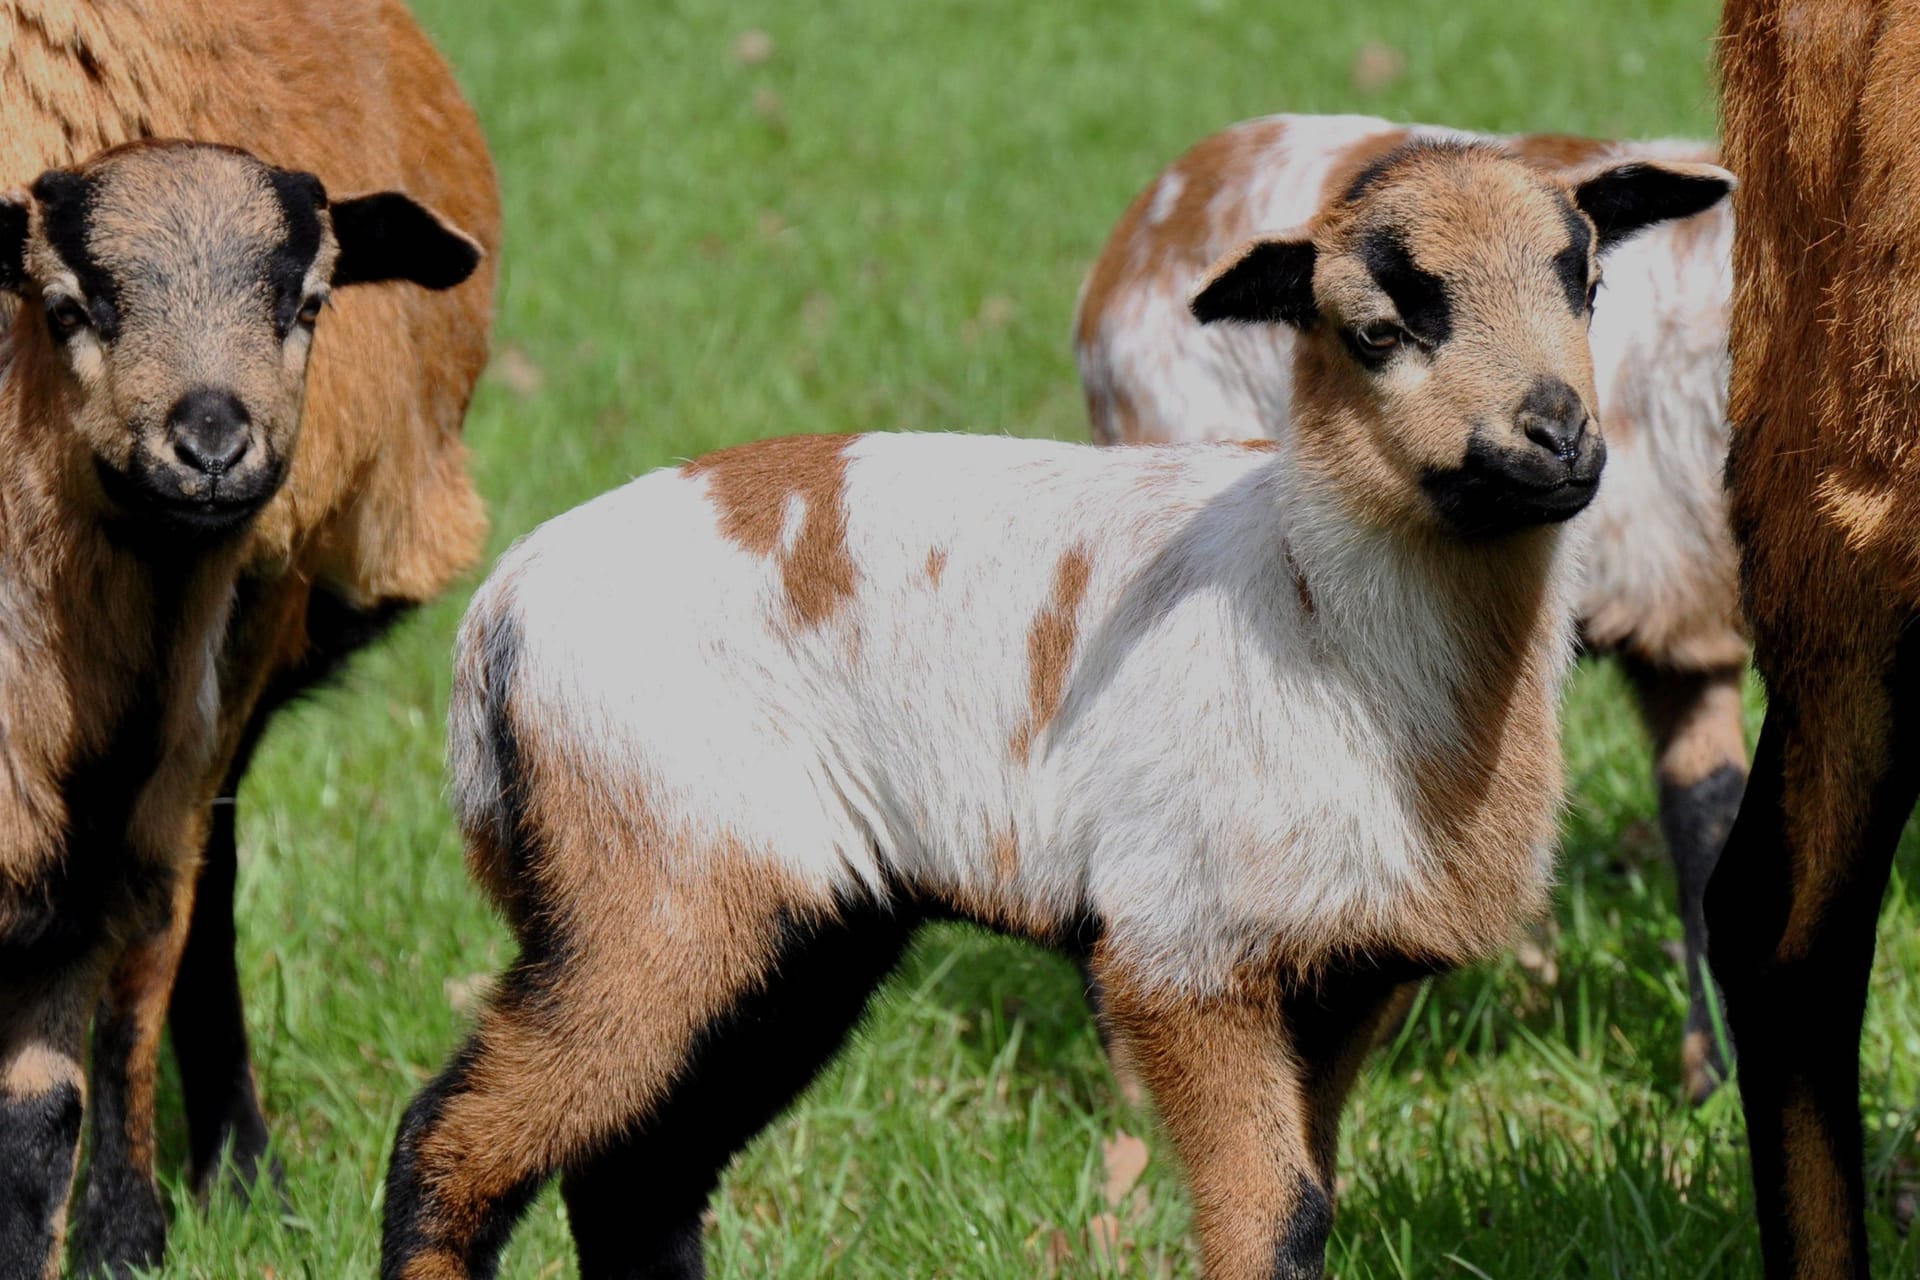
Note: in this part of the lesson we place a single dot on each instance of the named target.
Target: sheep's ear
(1263, 281)
(1630, 197)
(13, 241)
(387, 236)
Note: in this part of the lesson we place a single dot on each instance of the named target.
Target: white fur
(1223, 770)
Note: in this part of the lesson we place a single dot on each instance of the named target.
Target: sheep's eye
(66, 317)
(309, 313)
(1381, 337)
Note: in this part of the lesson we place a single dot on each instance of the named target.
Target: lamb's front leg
(1249, 1082)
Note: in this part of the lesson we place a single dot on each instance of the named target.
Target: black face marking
(301, 199)
(1570, 264)
(1369, 177)
(1378, 169)
(1422, 298)
(66, 212)
(1497, 490)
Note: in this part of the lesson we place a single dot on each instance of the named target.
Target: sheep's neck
(94, 620)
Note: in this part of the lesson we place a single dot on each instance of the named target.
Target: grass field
(877, 219)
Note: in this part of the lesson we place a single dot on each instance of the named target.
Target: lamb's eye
(309, 313)
(1593, 292)
(1381, 337)
(66, 317)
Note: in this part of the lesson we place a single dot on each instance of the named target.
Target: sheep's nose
(209, 429)
(1553, 417)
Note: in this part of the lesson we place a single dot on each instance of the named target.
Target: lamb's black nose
(1553, 417)
(209, 429)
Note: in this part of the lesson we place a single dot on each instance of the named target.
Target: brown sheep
(1658, 588)
(1821, 114)
(167, 297)
(378, 512)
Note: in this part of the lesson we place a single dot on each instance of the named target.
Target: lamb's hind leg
(635, 1206)
(1250, 1083)
(634, 1057)
(1700, 756)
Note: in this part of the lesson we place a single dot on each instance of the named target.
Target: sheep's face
(1443, 375)
(177, 287)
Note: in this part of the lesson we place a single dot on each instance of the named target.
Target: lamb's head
(1443, 375)
(173, 289)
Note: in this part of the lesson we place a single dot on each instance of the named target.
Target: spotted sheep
(1658, 586)
(1819, 105)
(377, 511)
(165, 300)
(1261, 731)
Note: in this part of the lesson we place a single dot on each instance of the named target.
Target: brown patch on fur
(36, 1069)
(1138, 248)
(1050, 643)
(936, 564)
(1259, 446)
(1560, 152)
(752, 485)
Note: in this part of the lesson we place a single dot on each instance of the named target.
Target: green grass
(883, 226)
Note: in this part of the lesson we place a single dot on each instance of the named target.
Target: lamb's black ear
(1266, 281)
(387, 236)
(1630, 197)
(13, 241)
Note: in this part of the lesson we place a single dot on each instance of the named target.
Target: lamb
(1260, 731)
(1659, 588)
(378, 512)
(1819, 105)
(166, 297)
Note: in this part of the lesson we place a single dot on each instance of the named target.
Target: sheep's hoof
(244, 1167)
(122, 1226)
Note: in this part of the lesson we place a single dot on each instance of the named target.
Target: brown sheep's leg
(635, 1070)
(224, 1120)
(43, 1029)
(1250, 1086)
(1791, 913)
(207, 1013)
(122, 1221)
(1700, 761)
